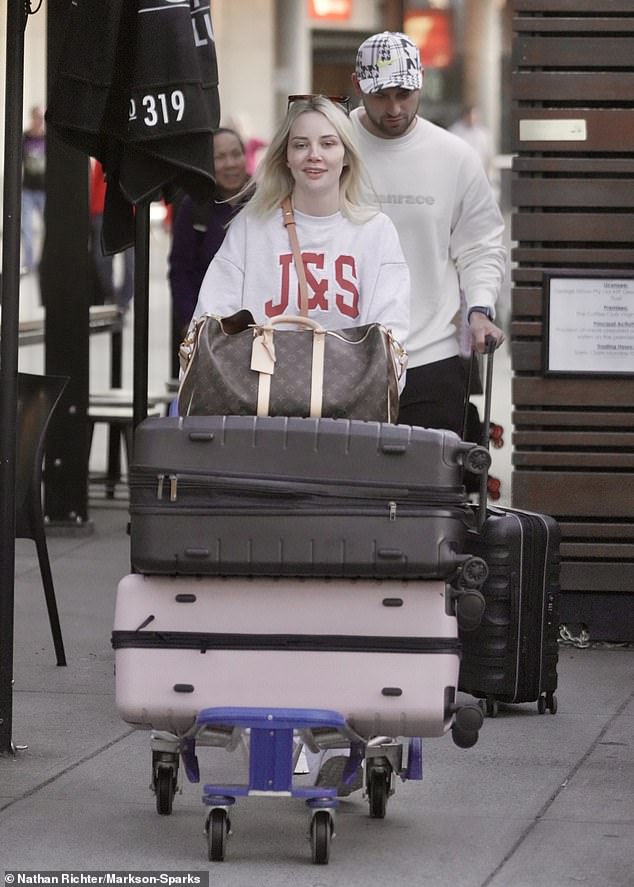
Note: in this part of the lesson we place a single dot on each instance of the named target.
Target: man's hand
(481, 327)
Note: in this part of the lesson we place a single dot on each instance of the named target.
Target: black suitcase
(512, 656)
(274, 496)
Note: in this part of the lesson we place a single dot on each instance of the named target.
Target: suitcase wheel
(477, 460)
(489, 706)
(470, 606)
(474, 572)
(464, 738)
(465, 729)
(547, 701)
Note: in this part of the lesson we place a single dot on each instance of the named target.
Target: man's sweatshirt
(433, 187)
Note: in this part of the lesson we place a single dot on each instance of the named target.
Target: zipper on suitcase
(205, 641)
(173, 481)
(221, 499)
(528, 682)
(202, 484)
(390, 511)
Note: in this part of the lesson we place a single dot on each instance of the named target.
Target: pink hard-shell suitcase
(384, 653)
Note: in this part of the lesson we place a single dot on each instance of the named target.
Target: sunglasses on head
(342, 100)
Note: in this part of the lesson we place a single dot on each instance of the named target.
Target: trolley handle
(490, 345)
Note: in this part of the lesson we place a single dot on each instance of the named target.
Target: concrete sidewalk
(540, 800)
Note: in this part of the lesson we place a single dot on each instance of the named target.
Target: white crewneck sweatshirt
(356, 272)
(433, 187)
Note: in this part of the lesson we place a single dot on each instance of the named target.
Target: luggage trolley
(275, 737)
(375, 494)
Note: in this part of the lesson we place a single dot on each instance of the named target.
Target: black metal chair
(38, 397)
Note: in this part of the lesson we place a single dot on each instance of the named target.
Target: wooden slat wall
(573, 211)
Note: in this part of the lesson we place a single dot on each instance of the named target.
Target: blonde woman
(354, 265)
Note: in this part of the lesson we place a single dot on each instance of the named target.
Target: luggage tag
(263, 351)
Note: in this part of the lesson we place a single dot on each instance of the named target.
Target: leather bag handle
(263, 360)
(288, 218)
(291, 318)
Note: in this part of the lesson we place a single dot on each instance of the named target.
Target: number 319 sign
(163, 108)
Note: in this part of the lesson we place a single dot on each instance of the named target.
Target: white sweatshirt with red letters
(356, 272)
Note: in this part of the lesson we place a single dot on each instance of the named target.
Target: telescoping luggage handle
(490, 345)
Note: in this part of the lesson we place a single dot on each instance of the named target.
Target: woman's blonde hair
(274, 182)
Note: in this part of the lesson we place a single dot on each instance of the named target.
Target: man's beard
(390, 132)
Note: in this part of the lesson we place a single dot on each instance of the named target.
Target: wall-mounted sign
(339, 10)
(565, 130)
(589, 325)
(432, 32)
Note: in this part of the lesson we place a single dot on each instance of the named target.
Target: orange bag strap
(289, 223)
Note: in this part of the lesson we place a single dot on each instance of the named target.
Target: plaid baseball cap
(387, 60)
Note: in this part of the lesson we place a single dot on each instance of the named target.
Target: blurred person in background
(471, 130)
(33, 184)
(108, 291)
(253, 144)
(199, 229)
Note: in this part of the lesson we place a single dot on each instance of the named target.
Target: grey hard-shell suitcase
(240, 495)
(384, 653)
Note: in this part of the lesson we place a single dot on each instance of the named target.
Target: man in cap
(434, 188)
